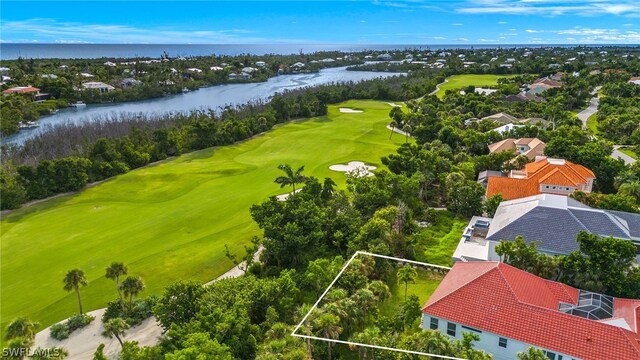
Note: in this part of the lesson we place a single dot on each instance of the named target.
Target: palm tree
(72, 281)
(291, 178)
(407, 274)
(299, 314)
(328, 328)
(115, 327)
(631, 188)
(407, 131)
(393, 124)
(114, 271)
(132, 286)
(21, 327)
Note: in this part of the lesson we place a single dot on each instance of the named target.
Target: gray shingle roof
(599, 223)
(555, 221)
(555, 229)
(633, 221)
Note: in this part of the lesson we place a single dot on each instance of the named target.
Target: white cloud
(457, 24)
(50, 30)
(502, 22)
(462, 39)
(594, 36)
(439, 38)
(629, 8)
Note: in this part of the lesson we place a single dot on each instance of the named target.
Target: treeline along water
(213, 97)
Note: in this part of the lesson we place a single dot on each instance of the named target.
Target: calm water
(211, 97)
(71, 51)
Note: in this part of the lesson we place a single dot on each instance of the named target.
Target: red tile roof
(21, 89)
(503, 300)
(540, 172)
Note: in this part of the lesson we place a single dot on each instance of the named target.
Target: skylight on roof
(590, 305)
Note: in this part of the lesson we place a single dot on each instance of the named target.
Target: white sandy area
(356, 168)
(350, 111)
(82, 343)
(284, 197)
(481, 91)
(393, 104)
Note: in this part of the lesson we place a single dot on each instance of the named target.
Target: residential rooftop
(500, 299)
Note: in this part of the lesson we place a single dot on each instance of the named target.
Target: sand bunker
(393, 104)
(284, 197)
(82, 343)
(350, 111)
(354, 168)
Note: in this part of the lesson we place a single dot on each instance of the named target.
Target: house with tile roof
(502, 118)
(21, 90)
(545, 175)
(543, 84)
(98, 86)
(512, 310)
(551, 221)
(530, 147)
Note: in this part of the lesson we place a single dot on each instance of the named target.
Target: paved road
(592, 109)
(617, 154)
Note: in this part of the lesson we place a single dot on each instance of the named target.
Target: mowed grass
(171, 220)
(425, 284)
(629, 152)
(457, 82)
(592, 124)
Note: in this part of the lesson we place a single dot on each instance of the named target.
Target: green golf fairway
(462, 81)
(171, 220)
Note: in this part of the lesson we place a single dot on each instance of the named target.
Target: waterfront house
(99, 86)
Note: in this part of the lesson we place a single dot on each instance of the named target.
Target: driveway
(617, 154)
(592, 109)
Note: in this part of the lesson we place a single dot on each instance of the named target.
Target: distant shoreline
(12, 51)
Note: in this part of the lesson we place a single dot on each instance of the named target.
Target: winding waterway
(210, 97)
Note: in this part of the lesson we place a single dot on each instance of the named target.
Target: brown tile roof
(21, 90)
(555, 172)
(504, 145)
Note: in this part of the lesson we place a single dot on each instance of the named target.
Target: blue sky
(331, 22)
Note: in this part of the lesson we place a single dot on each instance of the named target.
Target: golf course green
(170, 220)
(462, 81)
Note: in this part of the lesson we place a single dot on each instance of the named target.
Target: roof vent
(592, 306)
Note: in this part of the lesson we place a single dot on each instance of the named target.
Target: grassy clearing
(592, 124)
(628, 151)
(462, 81)
(170, 220)
(439, 240)
(425, 285)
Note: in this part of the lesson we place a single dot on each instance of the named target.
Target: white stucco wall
(489, 342)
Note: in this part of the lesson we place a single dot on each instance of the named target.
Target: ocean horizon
(12, 51)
